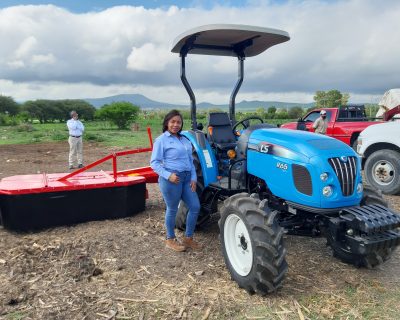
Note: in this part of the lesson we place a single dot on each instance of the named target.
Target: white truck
(379, 147)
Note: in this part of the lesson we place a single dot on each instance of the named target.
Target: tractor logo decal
(282, 166)
(275, 150)
(343, 158)
(264, 148)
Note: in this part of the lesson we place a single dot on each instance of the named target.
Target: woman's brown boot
(188, 242)
(174, 245)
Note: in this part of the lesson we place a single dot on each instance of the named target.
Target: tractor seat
(220, 132)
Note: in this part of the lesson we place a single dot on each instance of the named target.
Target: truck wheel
(382, 171)
(372, 259)
(180, 219)
(354, 145)
(252, 244)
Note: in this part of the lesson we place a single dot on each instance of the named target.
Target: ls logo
(264, 148)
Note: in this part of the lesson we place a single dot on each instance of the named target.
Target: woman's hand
(173, 178)
(193, 186)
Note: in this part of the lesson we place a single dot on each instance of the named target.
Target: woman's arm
(157, 157)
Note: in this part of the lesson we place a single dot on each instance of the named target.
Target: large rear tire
(252, 244)
(181, 215)
(373, 259)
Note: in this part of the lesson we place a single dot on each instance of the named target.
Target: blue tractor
(274, 181)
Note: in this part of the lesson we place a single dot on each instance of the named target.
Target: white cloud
(148, 58)
(347, 45)
(43, 59)
(26, 46)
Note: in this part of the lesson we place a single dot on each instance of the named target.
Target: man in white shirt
(321, 124)
(75, 128)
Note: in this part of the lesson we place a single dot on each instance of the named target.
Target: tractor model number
(282, 166)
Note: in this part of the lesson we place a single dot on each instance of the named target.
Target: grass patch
(96, 131)
(17, 315)
(367, 301)
(101, 132)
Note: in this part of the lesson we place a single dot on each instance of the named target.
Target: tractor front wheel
(252, 244)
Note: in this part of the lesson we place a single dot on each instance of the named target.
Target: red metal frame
(79, 179)
(147, 171)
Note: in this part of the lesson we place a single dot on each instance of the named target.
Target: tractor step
(223, 183)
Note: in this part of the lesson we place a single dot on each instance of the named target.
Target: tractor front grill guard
(346, 171)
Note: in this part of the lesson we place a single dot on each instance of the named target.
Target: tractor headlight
(360, 188)
(327, 191)
(323, 176)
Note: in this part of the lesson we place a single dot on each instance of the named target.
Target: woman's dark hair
(168, 117)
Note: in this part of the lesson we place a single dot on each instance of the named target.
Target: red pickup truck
(344, 123)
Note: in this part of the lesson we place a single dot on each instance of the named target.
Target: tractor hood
(304, 144)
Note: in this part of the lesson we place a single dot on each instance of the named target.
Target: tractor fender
(205, 154)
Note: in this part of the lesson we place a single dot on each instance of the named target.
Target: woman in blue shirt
(173, 162)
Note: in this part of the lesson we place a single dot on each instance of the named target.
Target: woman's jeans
(172, 194)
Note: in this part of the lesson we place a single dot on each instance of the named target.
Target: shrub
(25, 127)
(120, 113)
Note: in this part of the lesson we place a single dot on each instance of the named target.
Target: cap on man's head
(322, 112)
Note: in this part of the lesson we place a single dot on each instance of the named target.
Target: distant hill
(253, 105)
(136, 99)
(146, 103)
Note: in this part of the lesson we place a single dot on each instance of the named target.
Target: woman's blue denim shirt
(172, 154)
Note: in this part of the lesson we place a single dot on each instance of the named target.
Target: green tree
(260, 112)
(34, 110)
(85, 110)
(8, 105)
(328, 99)
(282, 114)
(345, 98)
(272, 110)
(295, 113)
(120, 113)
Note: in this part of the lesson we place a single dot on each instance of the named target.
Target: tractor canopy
(239, 41)
(228, 40)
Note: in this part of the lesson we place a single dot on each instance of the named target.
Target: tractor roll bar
(225, 40)
(190, 93)
(236, 89)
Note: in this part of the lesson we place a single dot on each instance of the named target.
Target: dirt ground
(120, 269)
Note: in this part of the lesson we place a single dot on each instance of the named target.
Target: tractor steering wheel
(244, 124)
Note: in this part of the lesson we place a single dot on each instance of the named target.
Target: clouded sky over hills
(82, 49)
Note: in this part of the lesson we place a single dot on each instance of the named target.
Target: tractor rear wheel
(372, 259)
(181, 215)
(252, 243)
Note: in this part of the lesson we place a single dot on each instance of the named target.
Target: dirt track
(120, 269)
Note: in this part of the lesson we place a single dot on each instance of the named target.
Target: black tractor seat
(219, 131)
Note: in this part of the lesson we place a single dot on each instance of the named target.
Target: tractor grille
(346, 172)
(302, 179)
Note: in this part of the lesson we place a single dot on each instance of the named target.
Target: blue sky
(98, 5)
(89, 49)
